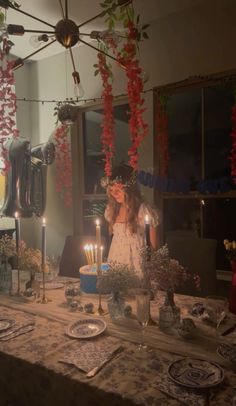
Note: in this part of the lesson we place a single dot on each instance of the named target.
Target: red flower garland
(232, 157)
(108, 135)
(138, 128)
(161, 121)
(7, 102)
(63, 164)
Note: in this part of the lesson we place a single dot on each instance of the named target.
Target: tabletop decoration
(117, 280)
(30, 260)
(230, 247)
(7, 252)
(165, 273)
(73, 295)
(17, 226)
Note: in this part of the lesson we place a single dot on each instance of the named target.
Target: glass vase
(116, 306)
(5, 277)
(232, 295)
(169, 313)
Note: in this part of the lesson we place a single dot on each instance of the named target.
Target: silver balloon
(41, 156)
(26, 179)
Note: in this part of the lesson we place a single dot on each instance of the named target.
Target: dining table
(42, 364)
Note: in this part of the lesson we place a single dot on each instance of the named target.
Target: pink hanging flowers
(108, 134)
(63, 164)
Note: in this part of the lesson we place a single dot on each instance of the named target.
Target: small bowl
(187, 328)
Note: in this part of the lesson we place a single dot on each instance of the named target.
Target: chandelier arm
(72, 59)
(40, 31)
(103, 52)
(66, 8)
(118, 4)
(33, 53)
(62, 10)
(30, 15)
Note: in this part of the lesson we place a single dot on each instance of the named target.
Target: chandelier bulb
(37, 40)
(78, 88)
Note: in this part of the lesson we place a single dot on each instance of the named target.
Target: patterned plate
(86, 328)
(195, 373)
(6, 323)
(227, 351)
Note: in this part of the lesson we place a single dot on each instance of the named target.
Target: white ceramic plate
(86, 328)
(227, 351)
(195, 373)
(6, 323)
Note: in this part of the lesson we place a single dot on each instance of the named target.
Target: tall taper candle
(43, 243)
(98, 243)
(17, 226)
(147, 231)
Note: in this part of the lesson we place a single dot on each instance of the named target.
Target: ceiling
(79, 12)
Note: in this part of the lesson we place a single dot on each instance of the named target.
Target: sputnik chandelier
(66, 32)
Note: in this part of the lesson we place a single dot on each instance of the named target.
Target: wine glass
(143, 312)
(216, 309)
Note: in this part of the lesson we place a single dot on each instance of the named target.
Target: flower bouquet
(117, 280)
(7, 253)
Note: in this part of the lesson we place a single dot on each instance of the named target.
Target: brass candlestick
(100, 311)
(44, 299)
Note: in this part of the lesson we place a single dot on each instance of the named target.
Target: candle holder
(44, 299)
(100, 311)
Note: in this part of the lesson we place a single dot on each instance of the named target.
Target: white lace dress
(125, 246)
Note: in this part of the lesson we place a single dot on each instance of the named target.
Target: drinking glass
(216, 308)
(143, 312)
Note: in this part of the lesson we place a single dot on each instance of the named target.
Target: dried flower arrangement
(7, 247)
(230, 247)
(163, 272)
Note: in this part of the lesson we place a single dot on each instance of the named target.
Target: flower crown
(106, 181)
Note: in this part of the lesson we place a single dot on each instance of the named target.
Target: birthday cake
(88, 277)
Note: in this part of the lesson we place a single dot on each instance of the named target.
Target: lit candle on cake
(98, 242)
(101, 254)
(43, 243)
(92, 253)
(96, 253)
(86, 253)
(147, 231)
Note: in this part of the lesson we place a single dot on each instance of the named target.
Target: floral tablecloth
(31, 373)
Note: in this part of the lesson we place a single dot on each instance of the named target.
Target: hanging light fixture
(66, 32)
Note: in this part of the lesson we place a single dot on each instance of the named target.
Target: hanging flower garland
(232, 157)
(127, 58)
(162, 136)
(108, 135)
(63, 163)
(8, 107)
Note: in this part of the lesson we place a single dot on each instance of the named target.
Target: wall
(196, 41)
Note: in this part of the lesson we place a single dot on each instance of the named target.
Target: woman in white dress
(126, 213)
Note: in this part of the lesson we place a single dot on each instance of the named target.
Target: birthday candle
(86, 253)
(101, 254)
(98, 241)
(96, 253)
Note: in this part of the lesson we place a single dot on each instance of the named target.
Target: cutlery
(19, 330)
(229, 330)
(95, 370)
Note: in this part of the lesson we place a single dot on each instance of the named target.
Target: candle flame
(16, 215)
(44, 221)
(97, 222)
(146, 219)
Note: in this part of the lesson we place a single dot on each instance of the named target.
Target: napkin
(186, 396)
(88, 355)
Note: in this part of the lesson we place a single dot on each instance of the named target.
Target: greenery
(118, 278)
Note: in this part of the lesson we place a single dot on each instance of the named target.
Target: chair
(198, 256)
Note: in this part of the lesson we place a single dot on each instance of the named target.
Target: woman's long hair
(124, 174)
